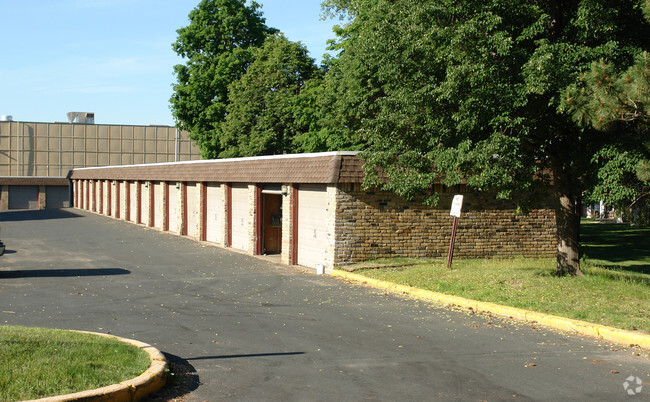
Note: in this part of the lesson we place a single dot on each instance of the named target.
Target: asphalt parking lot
(253, 330)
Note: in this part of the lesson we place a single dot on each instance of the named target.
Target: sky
(113, 57)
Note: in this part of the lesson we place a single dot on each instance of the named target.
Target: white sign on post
(456, 205)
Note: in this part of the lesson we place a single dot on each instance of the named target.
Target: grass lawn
(614, 291)
(37, 362)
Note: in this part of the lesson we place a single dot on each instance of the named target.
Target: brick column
(203, 211)
(128, 214)
(42, 199)
(93, 195)
(252, 219)
(228, 218)
(86, 195)
(4, 198)
(332, 206)
(165, 208)
(289, 212)
(183, 230)
(117, 202)
(100, 199)
(145, 202)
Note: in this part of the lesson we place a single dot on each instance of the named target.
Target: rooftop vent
(6, 117)
(81, 117)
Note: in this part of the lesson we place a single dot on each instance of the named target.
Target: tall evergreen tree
(614, 102)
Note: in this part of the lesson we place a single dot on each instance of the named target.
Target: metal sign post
(456, 206)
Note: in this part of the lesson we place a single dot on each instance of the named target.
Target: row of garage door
(312, 216)
(27, 197)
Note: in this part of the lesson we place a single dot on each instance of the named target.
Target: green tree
(616, 102)
(217, 46)
(331, 122)
(472, 90)
(264, 115)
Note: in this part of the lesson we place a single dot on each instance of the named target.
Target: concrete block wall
(288, 232)
(332, 247)
(377, 224)
(222, 217)
(4, 198)
(252, 219)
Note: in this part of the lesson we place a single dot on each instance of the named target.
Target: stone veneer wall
(287, 225)
(378, 224)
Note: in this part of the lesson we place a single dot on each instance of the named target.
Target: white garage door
(95, 195)
(173, 208)
(215, 206)
(240, 217)
(133, 200)
(193, 210)
(312, 225)
(158, 193)
(115, 205)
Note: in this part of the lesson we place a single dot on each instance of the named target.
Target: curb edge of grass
(153, 379)
(609, 334)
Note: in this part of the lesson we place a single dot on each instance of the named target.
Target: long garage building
(308, 208)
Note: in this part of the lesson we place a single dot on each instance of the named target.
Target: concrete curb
(609, 334)
(134, 389)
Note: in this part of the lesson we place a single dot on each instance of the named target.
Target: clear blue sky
(112, 57)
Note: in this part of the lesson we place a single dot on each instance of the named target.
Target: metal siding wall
(52, 149)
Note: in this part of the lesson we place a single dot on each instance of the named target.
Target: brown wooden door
(272, 223)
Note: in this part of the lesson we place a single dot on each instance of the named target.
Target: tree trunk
(567, 219)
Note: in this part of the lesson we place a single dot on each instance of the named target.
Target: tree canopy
(261, 118)
(616, 101)
(472, 90)
(217, 46)
(510, 96)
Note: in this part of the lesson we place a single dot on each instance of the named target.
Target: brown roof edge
(335, 169)
(324, 167)
(351, 169)
(33, 181)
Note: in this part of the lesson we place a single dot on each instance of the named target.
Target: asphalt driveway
(253, 330)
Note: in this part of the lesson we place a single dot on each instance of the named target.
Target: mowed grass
(37, 363)
(614, 291)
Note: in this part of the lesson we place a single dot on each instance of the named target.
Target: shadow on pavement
(181, 380)
(34, 214)
(247, 355)
(62, 273)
